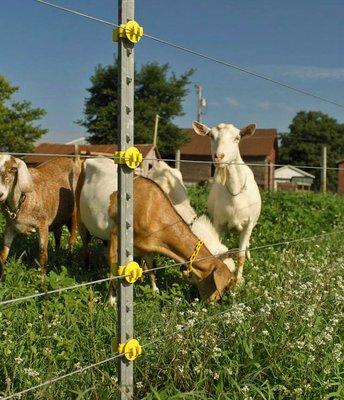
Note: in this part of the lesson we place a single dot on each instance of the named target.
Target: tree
(17, 130)
(309, 132)
(156, 92)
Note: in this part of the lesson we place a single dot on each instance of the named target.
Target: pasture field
(279, 336)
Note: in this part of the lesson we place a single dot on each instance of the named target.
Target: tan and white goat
(171, 182)
(234, 200)
(39, 200)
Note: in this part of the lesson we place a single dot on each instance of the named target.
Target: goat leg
(8, 239)
(85, 238)
(2, 273)
(43, 247)
(73, 229)
(245, 236)
(112, 265)
(57, 236)
(148, 264)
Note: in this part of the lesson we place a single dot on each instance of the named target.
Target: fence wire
(202, 55)
(170, 160)
(233, 251)
(184, 328)
(208, 318)
(217, 61)
(58, 291)
(59, 378)
(229, 252)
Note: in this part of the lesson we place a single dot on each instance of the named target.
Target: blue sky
(51, 55)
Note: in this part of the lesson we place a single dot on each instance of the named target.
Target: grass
(280, 336)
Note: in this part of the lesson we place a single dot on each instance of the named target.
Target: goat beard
(221, 175)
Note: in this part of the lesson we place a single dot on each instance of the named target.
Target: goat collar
(192, 258)
(242, 189)
(14, 213)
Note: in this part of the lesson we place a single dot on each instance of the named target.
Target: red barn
(260, 148)
(149, 152)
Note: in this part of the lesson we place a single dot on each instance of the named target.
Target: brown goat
(39, 200)
(158, 228)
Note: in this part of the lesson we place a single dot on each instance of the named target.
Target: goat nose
(219, 156)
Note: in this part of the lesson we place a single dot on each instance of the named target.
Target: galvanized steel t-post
(125, 195)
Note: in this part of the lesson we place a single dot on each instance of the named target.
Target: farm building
(341, 177)
(261, 148)
(292, 178)
(148, 151)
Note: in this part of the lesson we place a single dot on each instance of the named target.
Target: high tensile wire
(204, 56)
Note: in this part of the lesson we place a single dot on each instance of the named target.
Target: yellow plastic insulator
(131, 31)
(132, 271)
(131, 157)
(131, 349)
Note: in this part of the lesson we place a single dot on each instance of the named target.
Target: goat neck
(233, 176)
(185, 210)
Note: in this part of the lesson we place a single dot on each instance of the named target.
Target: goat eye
(14, 169)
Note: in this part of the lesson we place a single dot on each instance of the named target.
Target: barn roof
(69, 149)
(262, 143)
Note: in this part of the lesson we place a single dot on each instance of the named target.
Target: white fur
(234, 201)
(24, 180)
(171, 182)
(4, 189)
(100, 182)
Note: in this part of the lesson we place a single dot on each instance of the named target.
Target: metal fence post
(125, 195)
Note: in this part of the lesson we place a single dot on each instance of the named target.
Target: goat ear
(24, 178)
(200, 129)
(248, 130)
(155, 164)
(222, 278)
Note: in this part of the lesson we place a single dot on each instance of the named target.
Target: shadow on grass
(63, 261)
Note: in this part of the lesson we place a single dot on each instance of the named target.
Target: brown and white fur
(158, 228)
(171, 182)
(39, 200)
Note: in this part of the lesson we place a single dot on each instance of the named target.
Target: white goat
(234, 200)
(171, 182)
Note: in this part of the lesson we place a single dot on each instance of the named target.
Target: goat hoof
(240, 281)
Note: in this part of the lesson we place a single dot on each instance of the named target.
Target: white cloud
(232, 101)
(265, 105)
(269, 105)
(317, 73)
